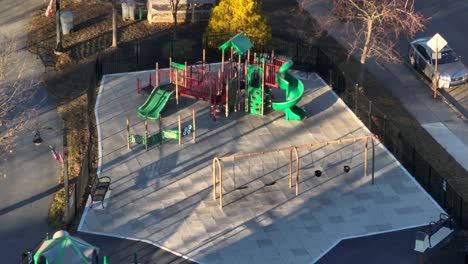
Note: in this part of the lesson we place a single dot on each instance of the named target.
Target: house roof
(239, 42)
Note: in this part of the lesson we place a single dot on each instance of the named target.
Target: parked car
(452, 71)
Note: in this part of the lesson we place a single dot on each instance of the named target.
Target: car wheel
(412, 61)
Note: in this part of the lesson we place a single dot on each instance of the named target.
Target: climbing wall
(254, 90)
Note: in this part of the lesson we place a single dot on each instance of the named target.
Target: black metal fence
(392, 137)
(80, 185)
(307, 58)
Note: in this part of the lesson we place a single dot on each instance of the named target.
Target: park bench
(99, 189)
(435, 232)
(440, 229)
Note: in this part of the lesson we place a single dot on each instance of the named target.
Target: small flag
(57, 156)
(49, 11)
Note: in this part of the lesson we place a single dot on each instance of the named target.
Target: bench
(440, 229)
(436, 232)
(99, 189)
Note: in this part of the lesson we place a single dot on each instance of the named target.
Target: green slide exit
(155, 103)
(294, 90)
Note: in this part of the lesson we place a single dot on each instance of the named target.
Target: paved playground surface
(164, 196)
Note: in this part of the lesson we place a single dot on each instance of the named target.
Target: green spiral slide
(294, 90)
(155, 103)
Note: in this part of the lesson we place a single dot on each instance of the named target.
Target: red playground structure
(241, 82)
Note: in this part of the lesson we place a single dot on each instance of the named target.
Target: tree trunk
(368, 36)
(114, 26)
(365, 51)
(174, 16)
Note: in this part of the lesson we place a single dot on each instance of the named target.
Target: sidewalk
(29, 175)
(437, 118)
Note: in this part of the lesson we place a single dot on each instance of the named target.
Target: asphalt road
(448, 18)
(29, 175)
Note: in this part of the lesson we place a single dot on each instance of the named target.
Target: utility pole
(436, 75)
(436, 44)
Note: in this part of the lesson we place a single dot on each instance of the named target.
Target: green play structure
(294, 90)
(155, 103)
(163, 134)
(259, 95)
(254, 90)
(258, 76)
(261, 75)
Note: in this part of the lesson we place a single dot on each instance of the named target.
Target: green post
(105, 260)
(140, 12)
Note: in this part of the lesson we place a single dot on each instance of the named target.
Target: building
(159, 11)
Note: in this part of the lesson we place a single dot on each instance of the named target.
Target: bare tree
(374, 26)
(15, 93)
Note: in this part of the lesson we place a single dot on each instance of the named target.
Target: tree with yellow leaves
(235, 16)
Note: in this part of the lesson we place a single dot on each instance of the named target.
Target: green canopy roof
(239, 42)
(63, 248)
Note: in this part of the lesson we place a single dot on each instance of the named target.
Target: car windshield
(448, 57)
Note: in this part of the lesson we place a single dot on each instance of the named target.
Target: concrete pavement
(118, 250)
(444, 124)
(29, 175)
(165, 195)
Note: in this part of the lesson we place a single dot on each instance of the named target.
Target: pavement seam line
(396, 160)
(83, 217)
(385, 149)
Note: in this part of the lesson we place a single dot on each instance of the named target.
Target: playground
(241, 162)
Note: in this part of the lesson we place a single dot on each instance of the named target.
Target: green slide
(155, 103)
(294, 90)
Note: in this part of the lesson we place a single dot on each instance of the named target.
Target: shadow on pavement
(120, 250)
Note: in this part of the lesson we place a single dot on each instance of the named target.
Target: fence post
(297, 50)
(317, 59)
(135, 49)
(461, 211)
(444, 196)
(369, 115)
(356, 90)
(429, 179)
(384, 128)
(76, 197)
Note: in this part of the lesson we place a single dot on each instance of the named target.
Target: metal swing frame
(218, 170)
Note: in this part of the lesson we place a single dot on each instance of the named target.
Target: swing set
(217, 167)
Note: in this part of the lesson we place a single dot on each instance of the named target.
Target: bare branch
(374, 26)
